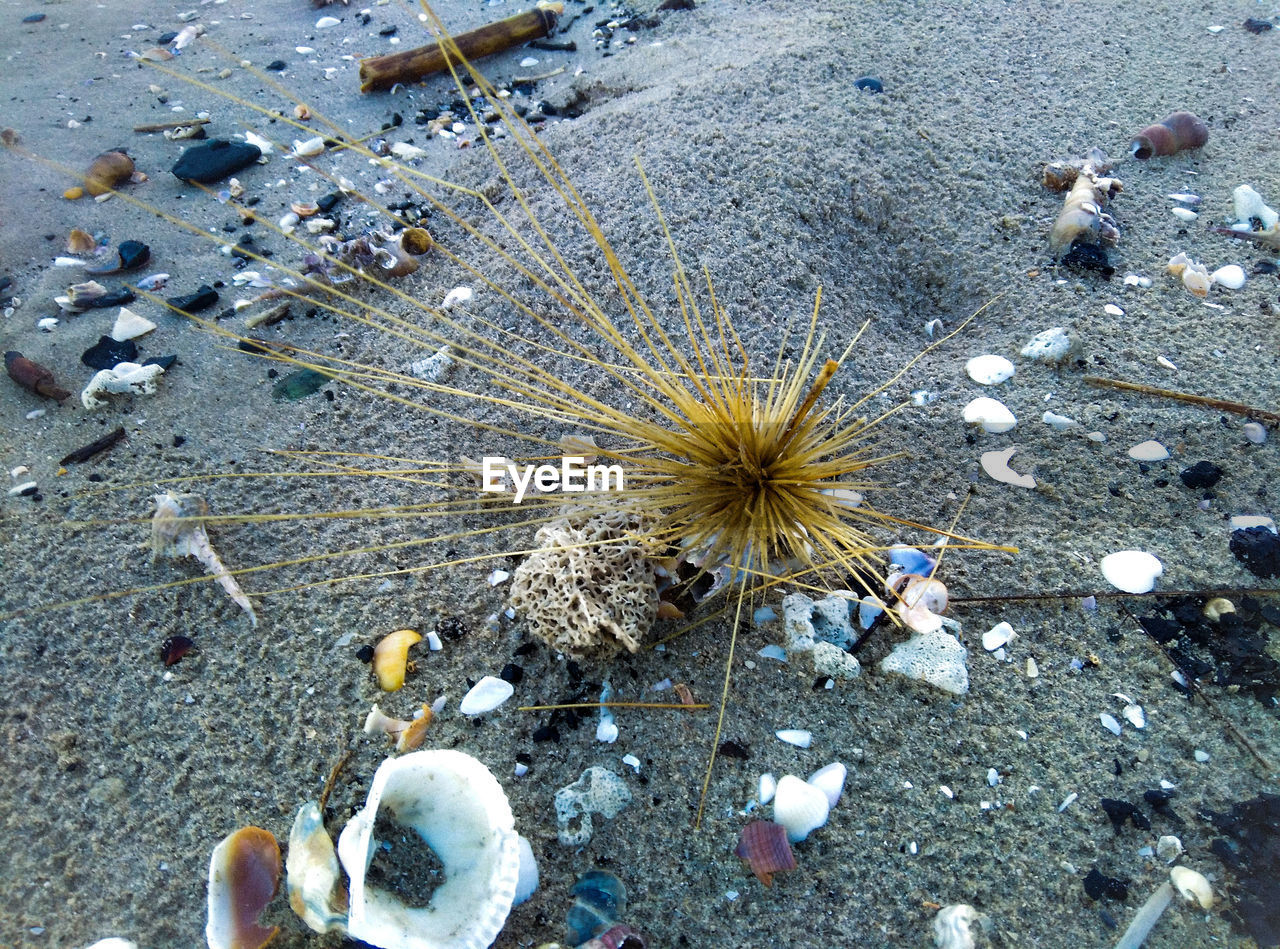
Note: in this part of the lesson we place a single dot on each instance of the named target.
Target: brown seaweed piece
(33, 376)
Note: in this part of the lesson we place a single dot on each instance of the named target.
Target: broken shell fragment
(991, 415)
(33, 377)
(406, 733)
(391, 658)
(311, 871)
(1192, 886)
(81, 242)
(1175, 133)
(996, 464)
(764, 848)
(951, 926)
(799, 807)
(1132, 571)
(177, 531)
(244, 874)
(456, 806)
(106, 171)
(485, 696)
(130, 325)
(304, 209)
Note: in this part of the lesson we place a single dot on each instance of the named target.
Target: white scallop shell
(459, 809)
(830, 781)
(989, 369)
(799, 807)
(486, 695)
(1132, 571)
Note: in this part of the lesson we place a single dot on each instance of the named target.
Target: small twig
(552, 708)
(1108, 594)
(175, 124)
(1239, 408)
(86, 452)
(538, 78)
(333, 777)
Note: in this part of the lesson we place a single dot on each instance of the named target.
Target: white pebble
(795, 736)
(607, 732)
(989, 369)
(1132, 571)
(456, 296)
(990, 414)
(48, 323)
(433, 641)
(993, 777)
(1113, 310)
(1231, 276)
(1201, 756)
(768, 785)
(1135, 716)
(1059, 423)
(486, 695)
(946, 792)
(1109, 723)
(327, 21)
(1254, 432)
(1051, 347)
(527, 62)
(632, 762)
(1149, 451)
(1033, 670)
(1136, 280)
(498, 576)
(1184, 214)
(951, 927)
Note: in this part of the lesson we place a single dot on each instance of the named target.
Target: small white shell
(1132, 571)
(799, 807)
(1184, 214)
(1231, 276)
(951, 926)
(991, 414)
(307, 149)
(1059, 423)
(327, 21)
(830, 781)
(1135, 716)
(1192, 886)
(406, 152)
(1109, 723)
(1168, 848)
(486, 695)
(795, 736)
(1112, 310)
(1197, 281)
(989, 369)
(996, 465)
(1149, 451)
(998, 635)
(768, 787)
(1254, 432)
(456, 296)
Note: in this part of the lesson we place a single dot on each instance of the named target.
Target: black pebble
(1258, 548)
(1120, 811)
(388, 31)
(676, 5)
(511, 673)
(204, 297)
(215, 160)
(1098, 885)
(1254, 25)
(546, 733)
(115, 298)
(1089, 257)
(164, 362)
(365, 653)
(1159, 801)
(179, 441)
(328, 202)
(106, 353)
(731, 749)
(868, 84)
(33, 18)
(277, 65)
(133, 254)
(166, 38)
(1203, 474)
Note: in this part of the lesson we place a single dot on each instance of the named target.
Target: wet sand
(778, 176)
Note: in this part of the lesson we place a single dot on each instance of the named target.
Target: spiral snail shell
(1178, 131)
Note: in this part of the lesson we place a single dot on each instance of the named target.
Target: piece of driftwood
(383, 72)
(175, 124)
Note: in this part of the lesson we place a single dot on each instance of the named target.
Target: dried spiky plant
(732, 459)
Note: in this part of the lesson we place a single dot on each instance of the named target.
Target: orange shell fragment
(244, 875)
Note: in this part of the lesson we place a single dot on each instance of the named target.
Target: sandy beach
(777, 176)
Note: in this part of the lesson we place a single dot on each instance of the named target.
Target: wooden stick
(1239, 408)
(383, 72)
(175, 124)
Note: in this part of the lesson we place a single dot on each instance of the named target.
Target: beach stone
(204, 297)
(108, 353)
(1258, 548)
(1203, 474)
(215, 160)
(868, 84)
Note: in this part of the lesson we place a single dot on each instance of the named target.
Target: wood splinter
(411, 65)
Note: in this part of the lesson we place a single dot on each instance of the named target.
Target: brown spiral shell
(1178, 131)
(107, 170)
(763, 845)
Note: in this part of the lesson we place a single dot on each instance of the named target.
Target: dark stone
(365, 653)
(526, 649)
(1203, 474)
(117, 297)
(1097, 885)
(179, 441)
(732, 749)
(676, 5)
(1254, 25)
(1258, 548)
(1120, 811)
(328, 202)
(133, 254)
(166, 38)
(299, 384)
(215, 160)
(1089, 257)
(33, 18)
(388, 31)
(1159, 801)
(164, 362)
(511, 673)
(277, 65)
(868, 84)
(451, 627)
(1251, 852)
(107, 353)
(546, 733)
(204, 297)
(524, 758)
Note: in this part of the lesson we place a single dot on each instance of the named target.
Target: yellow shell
(72, 193)
(391, 658)
(107, 170)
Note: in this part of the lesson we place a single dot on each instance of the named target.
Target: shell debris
(391, 658)
(244, 874)
(763, 846)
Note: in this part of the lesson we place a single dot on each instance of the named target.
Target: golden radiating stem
(553, 708)
(1238, 408)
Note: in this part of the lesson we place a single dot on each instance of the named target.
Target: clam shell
(485, 696)
(799, 807)
(312, 871)
(763, 845)
(244, 874)
(456, 805)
